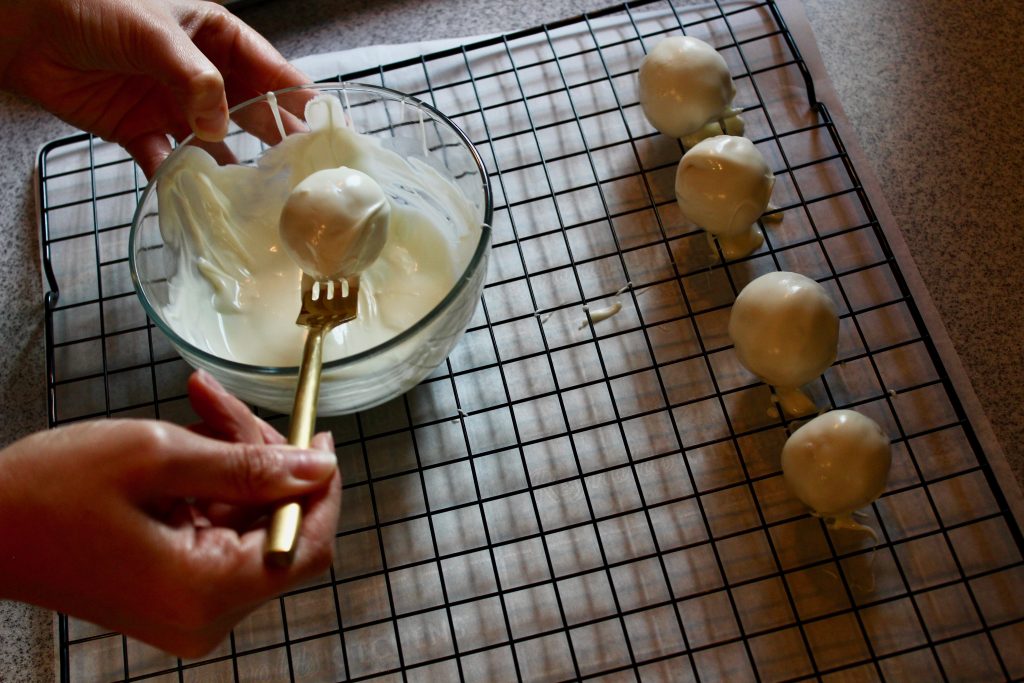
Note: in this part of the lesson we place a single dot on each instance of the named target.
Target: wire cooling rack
(570, 500)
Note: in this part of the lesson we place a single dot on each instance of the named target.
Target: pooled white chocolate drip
(596, 315)
(731, 123)
(773, 215)
(275, 111)
(848, 523)
(795, 402)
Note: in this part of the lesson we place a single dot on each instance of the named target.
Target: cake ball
(837, 463)
(684, 84)
(723, 184)
(335, 223)
(786, 331)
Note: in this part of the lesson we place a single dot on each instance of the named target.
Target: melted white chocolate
(837, 463)
(723, 185)
(795, 402)
(786, 331)
(730, 125)
(235, 292)
(596, 315)
(335, 223)
(684, 84)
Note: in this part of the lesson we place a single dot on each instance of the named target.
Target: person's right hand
(158, 531)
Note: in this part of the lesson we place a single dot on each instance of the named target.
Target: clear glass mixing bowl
(404, 125)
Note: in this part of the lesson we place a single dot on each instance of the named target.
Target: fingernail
(207, 107)
(211, 127)
(211, 381)
(308, 464)
(330, 439)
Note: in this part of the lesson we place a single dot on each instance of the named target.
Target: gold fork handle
(284, 525)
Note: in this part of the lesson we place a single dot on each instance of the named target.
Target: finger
(186, 515)
(324, 441)
(321, 509)
(258, 119)
(245, 57)
(241, 473)
(295, 101)
(168, 55)
(320, 521)
(251, 67)
(251, 580)
(314, 548)
(270, 435)
(203, 429)
(220, 411)
(220, 152)
(237, 517)
(245, 518)
(149, 151)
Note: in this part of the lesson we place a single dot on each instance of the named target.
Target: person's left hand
(135, 71)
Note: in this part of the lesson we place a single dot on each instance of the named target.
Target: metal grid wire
(570, 500)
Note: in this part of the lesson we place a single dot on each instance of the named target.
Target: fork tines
(331, 301)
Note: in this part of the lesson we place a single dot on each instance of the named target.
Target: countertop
(932, 88)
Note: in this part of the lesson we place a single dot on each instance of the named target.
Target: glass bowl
(412, 129)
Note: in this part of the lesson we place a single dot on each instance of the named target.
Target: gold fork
(325, 305)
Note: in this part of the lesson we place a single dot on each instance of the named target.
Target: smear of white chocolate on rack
(596, 315)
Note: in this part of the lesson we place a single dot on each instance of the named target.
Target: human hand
(134, 71)
(158, 531)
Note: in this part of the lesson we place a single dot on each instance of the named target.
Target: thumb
(241, 473)
(171, 58)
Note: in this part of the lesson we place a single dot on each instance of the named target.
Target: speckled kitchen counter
(932, 88)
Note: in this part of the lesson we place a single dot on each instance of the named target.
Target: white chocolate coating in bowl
(235, 292)
(837, 463)
(335, 223)
(723, 184)
(684, 84)
(785, 329)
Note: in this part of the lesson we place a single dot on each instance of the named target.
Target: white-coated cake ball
(335, 223)
(837, 463)
(785, 329)
(723, 184)
(684, 84)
